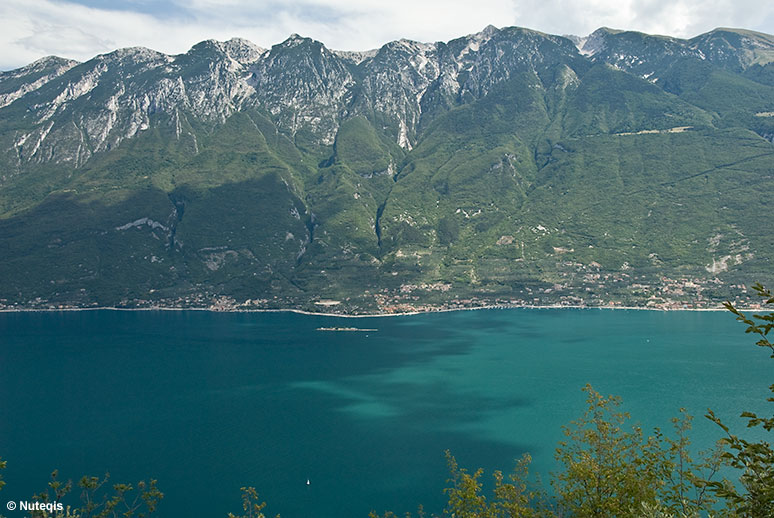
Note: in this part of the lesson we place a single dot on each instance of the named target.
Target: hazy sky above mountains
(80, 29)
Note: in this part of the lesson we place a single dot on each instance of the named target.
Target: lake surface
(209, 402)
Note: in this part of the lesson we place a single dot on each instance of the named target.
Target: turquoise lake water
(209, 402)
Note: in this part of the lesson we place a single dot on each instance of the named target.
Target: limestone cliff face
(57, 110)
(63, 112)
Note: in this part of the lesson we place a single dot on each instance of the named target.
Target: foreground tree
(512, 497)
(608, 470)
(611, 469)
(99, 500)
(755, 497)
(2, 466)
(251, 504)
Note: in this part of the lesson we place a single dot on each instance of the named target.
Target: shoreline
(373, 315)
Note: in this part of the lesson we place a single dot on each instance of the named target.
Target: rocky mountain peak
(594, 42)
(489, 30)
(44, 63)
(17, 83)
(141, 54)
(242, 50)
(735, 48)
(294, 40)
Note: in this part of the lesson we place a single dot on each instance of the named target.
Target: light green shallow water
(209, 402)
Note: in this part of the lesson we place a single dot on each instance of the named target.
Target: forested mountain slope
(508, 166)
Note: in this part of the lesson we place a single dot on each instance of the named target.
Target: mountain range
(504, 167)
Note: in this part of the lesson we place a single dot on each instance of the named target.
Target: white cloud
(30, 29)
(680, 18)
(35, 28)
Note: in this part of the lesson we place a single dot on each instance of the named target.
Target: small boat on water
(345, 329)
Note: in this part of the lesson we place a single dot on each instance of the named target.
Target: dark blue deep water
(209, 402)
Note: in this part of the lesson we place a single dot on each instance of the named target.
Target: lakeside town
(596, 290)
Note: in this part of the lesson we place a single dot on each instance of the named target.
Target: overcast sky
(80, 29)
